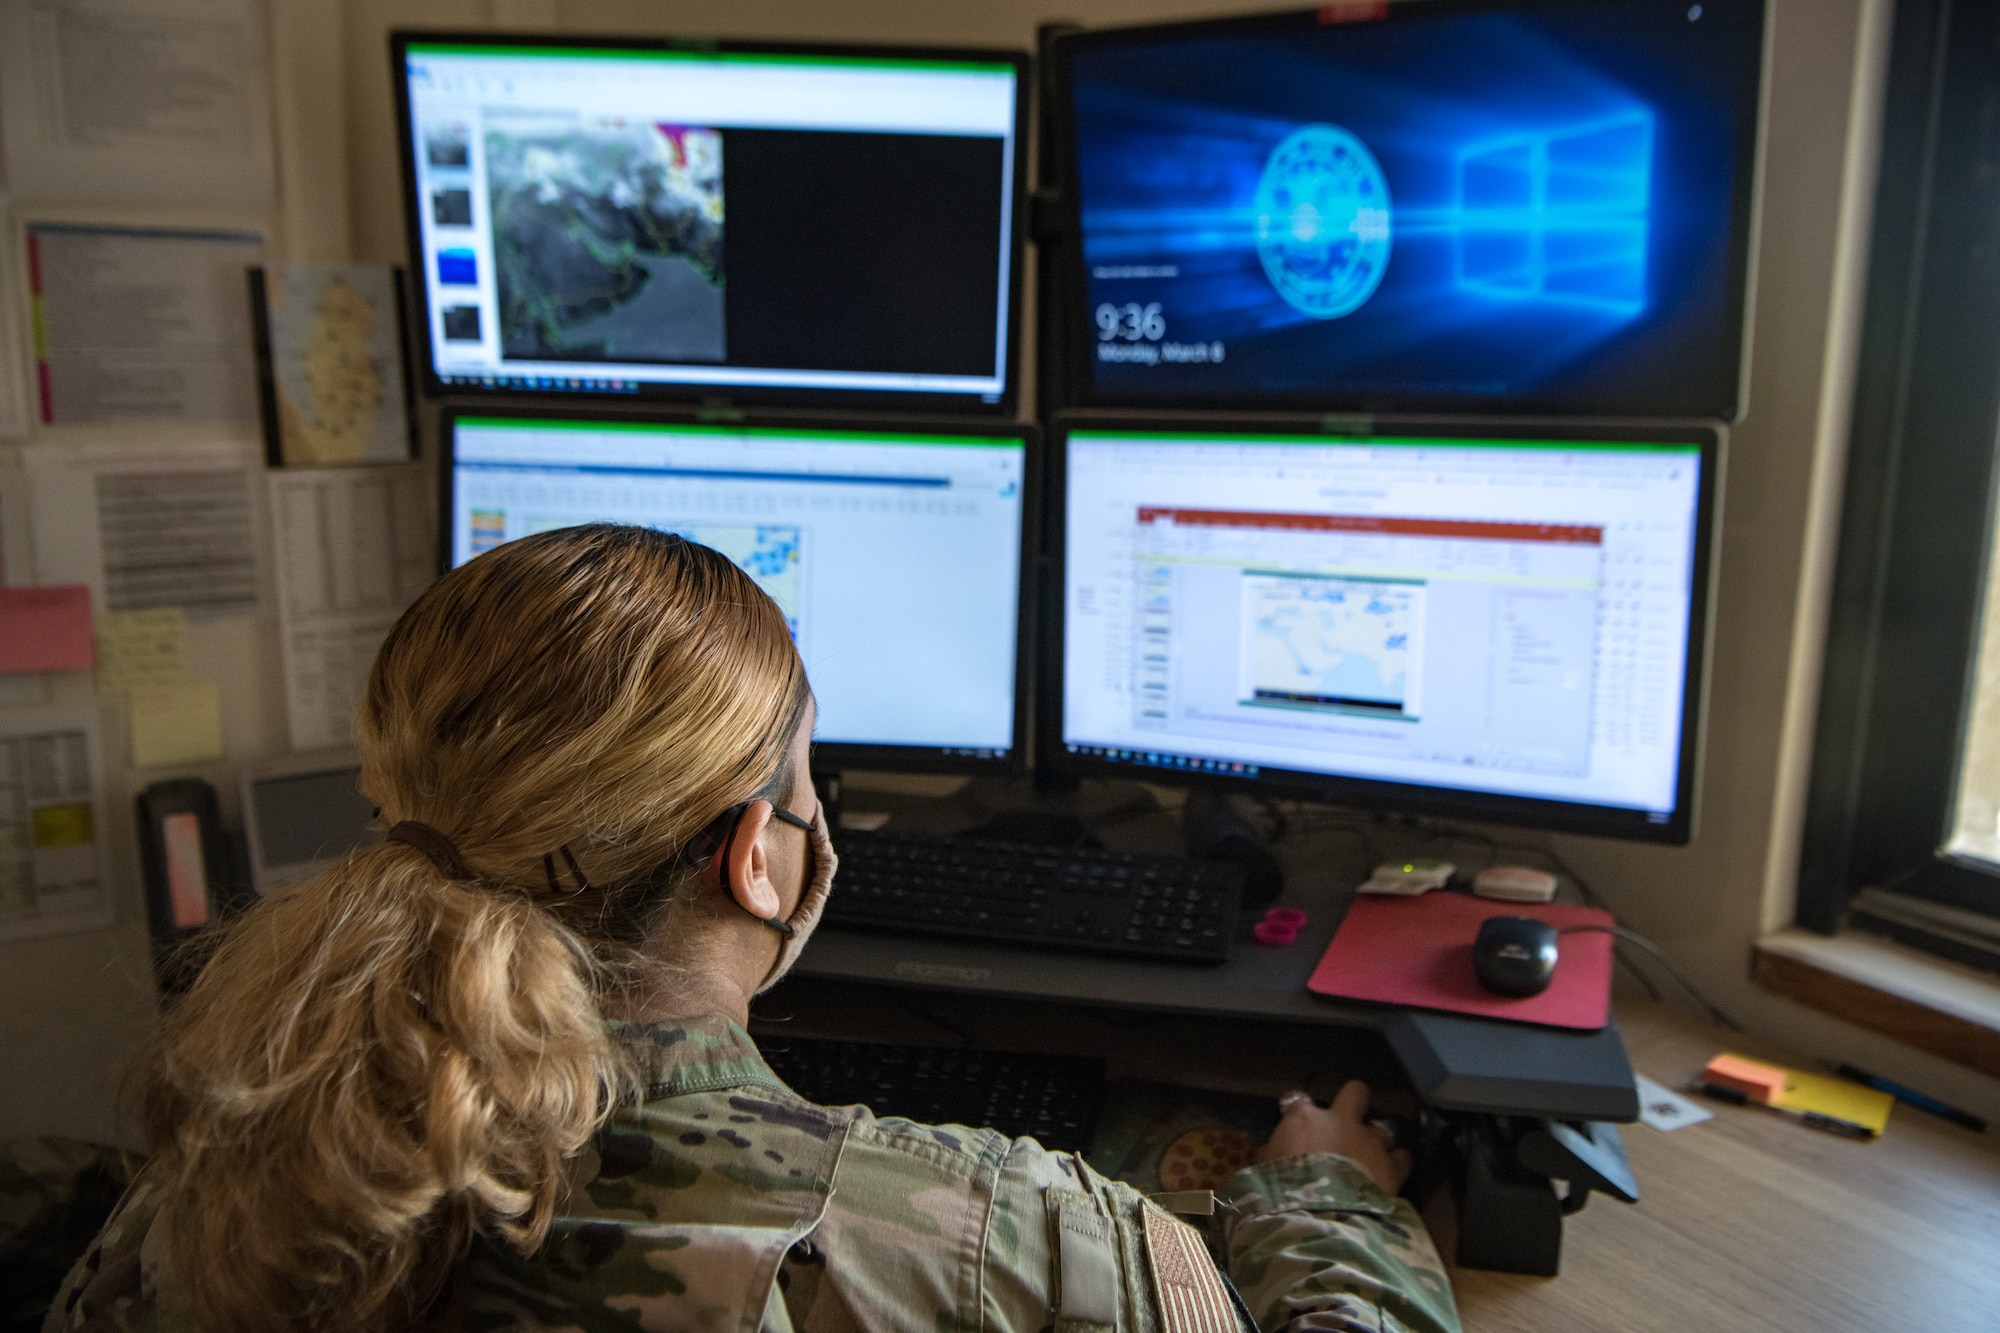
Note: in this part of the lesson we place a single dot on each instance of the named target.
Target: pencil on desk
(1913, 1097)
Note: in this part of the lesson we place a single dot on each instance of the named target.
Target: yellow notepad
(1834, 1097)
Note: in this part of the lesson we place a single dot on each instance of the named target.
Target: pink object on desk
(1280, 927)
(1418, 952)
(45, 629)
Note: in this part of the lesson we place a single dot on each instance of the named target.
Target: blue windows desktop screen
(1541, 206)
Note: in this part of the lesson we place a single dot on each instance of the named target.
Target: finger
(1403, 1162)
(1352, 1103)
(1294, 1101)
(1384, 1131)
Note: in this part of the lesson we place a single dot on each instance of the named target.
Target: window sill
(1931, 1004)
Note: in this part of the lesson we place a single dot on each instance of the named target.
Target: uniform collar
(693, 1055)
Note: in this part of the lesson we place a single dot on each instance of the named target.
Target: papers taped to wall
(161, 525)
(354, 546)
(137, 102)
(52, 825)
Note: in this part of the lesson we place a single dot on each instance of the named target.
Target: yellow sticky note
(176, 724)
(1836, 1097)
(139, 650)
(66, 825)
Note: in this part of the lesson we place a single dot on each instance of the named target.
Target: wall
(1707, 902)
(71, 1010)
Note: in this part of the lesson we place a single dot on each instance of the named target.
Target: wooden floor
(1752, 1223)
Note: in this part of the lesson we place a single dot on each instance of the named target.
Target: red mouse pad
(1418, 952)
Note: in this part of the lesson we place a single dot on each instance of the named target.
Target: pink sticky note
(45, 629)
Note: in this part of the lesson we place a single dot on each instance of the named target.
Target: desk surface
(1751, 1223)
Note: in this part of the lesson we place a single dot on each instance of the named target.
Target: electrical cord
(1686, 983)
(1639, 978)
(1665, 960)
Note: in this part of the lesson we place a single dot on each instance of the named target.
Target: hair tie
(434, 845)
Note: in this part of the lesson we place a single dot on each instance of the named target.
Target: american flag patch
(1190, 1292)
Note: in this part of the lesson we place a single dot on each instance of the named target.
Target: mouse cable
(1620, 958)
(1665, 960)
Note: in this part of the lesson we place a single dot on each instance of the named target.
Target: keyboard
(1052, 1098)
(1048, 897)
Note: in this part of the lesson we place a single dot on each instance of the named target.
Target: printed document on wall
(136, 102)
(147, 324)
(354, 547)
(52, 824)
(148, 527)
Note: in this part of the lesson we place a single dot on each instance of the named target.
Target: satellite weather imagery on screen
(1538, 206)
(607, 240)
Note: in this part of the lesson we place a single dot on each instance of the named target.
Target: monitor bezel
(668, 396)
(1056, 765)
(828, 756)
(1076, 331)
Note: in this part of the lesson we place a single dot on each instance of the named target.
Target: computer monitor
(1517, 206)
(1493, 624)
(754, 222)
(896, 554)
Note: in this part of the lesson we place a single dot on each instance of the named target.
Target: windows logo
(1559, 215)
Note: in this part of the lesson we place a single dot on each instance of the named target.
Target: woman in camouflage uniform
(493, 1073)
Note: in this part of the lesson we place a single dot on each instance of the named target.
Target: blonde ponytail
(379, 1065)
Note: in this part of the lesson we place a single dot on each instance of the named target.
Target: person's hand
(1342, 1129)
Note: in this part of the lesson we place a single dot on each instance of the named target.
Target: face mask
(799, 926)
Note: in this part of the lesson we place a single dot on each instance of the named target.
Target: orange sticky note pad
(45, 629)
(1759, 1082)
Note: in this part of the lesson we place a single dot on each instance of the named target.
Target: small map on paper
(1337, 643)
(332, 377)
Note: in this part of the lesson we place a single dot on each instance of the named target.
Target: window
(1903, 816)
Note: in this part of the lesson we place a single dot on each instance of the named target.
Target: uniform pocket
(1123, 1263)
(1088, 1276)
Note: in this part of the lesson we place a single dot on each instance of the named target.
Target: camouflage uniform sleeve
(111, 1289)
(1315, 1245)
(54, 1197)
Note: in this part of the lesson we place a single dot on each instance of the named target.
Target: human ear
(749, 869)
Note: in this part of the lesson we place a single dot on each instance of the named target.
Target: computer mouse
(1514, 955)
